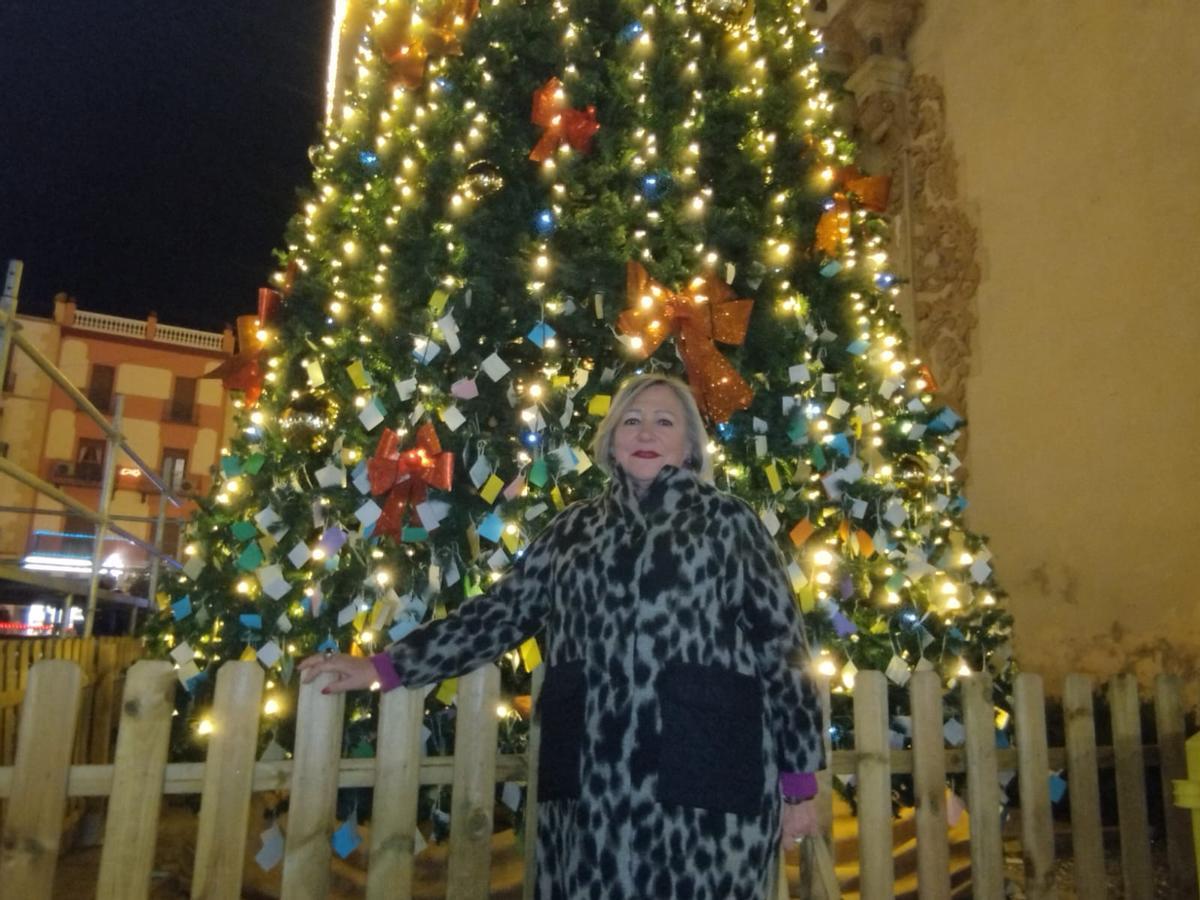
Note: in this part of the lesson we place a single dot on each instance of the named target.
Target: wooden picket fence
(42, 779)
(103, 662)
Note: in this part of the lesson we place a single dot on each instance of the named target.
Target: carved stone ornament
(901, 122)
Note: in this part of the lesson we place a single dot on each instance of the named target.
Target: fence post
(929, 786)
(228, 777)
(1168, 717)
(983, 788)
(531, 786)
(312, 804)
(474, 790)
(874, 784)
(1134, 818)
(1087, 838)
(1033, 761)
(397, 791)
(141, 759)
(33, 823)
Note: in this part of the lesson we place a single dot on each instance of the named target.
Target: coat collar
(670, 487)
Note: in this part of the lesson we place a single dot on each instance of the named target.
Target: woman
(677, 721)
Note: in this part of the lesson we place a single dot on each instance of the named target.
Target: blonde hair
(697, 458)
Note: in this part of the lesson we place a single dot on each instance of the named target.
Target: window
(78, 535)
(100, 387)
(172, 529)
(89, 459)
(183, 400)
(174, 467)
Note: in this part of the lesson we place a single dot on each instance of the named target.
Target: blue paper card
(182, 608)
(858, 348)
(840, 443)
(401, 628)
(346, 838)
(491, 527)
(831, 268)
(540, 333)
(1058, 787)
(328, 644)
(231, 465)
(251, 620)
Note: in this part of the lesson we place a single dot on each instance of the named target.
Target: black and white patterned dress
(673, 696)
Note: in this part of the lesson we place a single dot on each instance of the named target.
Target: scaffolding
(105, 523)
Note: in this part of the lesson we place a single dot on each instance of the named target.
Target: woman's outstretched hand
(351, 673)
(799, 820)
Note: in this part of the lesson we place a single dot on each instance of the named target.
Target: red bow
(701, 315)
(406, 477)
(408, 55)
(243, 371)
(550, 111)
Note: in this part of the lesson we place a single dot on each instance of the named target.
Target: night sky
(151, 150)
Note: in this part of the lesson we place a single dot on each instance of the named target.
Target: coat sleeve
(485, 626)
(773, 625)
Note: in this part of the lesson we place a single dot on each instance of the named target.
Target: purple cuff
(798, 785)
(389, 678)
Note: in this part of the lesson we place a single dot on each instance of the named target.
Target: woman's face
(652, 433)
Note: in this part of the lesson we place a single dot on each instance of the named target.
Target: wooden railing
(42, 780)
(102, 663)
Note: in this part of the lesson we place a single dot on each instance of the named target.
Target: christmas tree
(515, 205)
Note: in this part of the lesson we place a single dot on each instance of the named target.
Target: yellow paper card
(249, 654)
(511, 540)
(599, 404)
(163, 598)
(360, 621)
(358, 374)
(437, 301)
(473, 541)
(773, 478)
(491, 488)
(557, 497)
(447, 691)
(560, 381)
(316, 375)
(531, 655)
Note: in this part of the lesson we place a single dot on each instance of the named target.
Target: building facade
(173, 418)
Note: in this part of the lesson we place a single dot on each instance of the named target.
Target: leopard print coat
(673, 694)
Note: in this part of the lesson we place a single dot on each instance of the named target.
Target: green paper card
(243, 531)
(250, 559)
(254, 464)
(537, 473)
(414, 535)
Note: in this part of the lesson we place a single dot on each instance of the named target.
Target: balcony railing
(137, 328)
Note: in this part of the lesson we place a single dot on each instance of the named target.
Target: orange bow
(834, 225)
(576, 127)
(243, 372)
(410, 55)
(406, 477)
(699, 317)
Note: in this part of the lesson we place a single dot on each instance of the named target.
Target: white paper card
(368, 513)
(770, 520)
(193, 567)
(798, 374)
(299, 555)
(182, 653)
(269, 653)
(480, 471)
(271, 852)
(331, 476)
(453, 418)
(272, 581)
(406, 388)
(494, 367)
